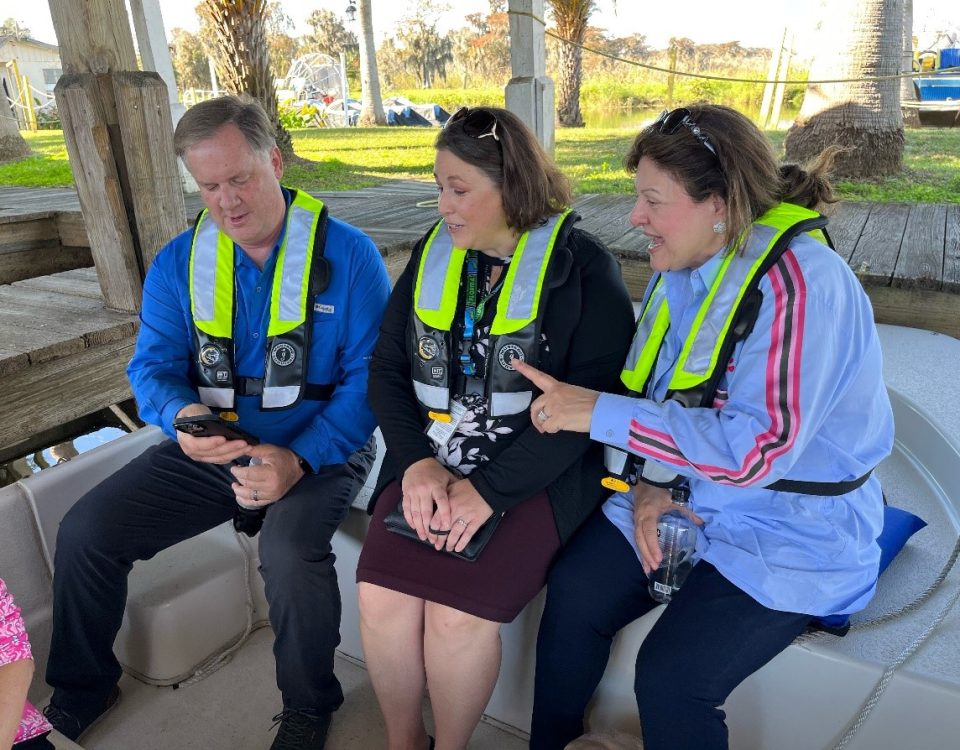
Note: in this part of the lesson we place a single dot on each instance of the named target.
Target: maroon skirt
(509, 572)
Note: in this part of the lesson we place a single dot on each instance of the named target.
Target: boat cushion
(898, 526)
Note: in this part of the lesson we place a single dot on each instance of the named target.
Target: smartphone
(210, 425)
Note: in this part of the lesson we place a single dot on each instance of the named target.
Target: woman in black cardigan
(455, 416)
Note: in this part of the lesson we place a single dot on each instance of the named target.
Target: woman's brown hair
(739, 165)
(532, 188)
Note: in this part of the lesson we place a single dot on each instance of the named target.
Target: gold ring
(462, 522)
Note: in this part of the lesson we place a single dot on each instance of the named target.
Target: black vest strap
(825, 489)
(311, 391)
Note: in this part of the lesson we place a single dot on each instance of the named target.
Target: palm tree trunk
(12, 144)
(242, 56)
(862, 116)
(571, 19)
(371, 111)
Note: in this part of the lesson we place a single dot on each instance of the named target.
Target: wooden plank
(920, 264)
(72, 230)
(636, 273)
(93, 36)
(916, 308)
(86, 132)
(42, 260)
(46, 395)
(875, 256)
(80, 282)
(951, 250)
(146, 131)
(47, 325)
(16, 236)
(846, 222)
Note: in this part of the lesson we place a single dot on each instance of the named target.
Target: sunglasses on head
(476, 123)
(669, 123)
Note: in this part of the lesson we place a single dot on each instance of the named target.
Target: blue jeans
(161, 498)
(709, 639)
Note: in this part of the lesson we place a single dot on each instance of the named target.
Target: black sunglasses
(670, 122)
(476, 123)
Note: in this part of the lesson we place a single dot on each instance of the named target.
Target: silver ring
(256, 495)
(462, 522)
(542, 416)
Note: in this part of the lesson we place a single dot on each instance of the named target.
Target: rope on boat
(216, 661)
(874, 698)
(867, 708)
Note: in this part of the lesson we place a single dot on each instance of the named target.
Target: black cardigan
(588, 323)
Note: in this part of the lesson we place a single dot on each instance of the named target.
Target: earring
(720, 227)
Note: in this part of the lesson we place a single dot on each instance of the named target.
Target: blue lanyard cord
(473, 311)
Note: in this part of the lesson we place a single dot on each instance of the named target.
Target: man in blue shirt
(266, 314)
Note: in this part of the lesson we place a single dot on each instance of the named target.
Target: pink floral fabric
(14, 646)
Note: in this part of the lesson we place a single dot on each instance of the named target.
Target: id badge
(441, 432)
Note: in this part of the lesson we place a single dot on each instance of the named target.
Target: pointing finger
(540, 379)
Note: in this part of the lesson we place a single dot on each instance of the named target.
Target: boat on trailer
(196, 648)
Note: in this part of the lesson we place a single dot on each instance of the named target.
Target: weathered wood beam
(147, 128)
(43, 396)
(87, 134)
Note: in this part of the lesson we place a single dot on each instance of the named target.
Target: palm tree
(371, 112)
(863, 116)
(243, 57)
(570, 17)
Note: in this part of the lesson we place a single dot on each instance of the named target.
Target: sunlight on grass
(352, 158)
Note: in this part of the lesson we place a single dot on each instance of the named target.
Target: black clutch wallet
(395, 522)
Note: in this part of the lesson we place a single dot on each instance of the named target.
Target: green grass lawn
(348, 158)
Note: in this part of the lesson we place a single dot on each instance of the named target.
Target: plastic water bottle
(677, 536)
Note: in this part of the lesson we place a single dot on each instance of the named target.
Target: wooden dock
(63, 355)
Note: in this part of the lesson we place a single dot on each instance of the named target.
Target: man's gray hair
(204, 119)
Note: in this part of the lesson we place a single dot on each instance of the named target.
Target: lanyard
(473, 311)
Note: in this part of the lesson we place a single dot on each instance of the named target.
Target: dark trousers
(161, 498)
(710, 638)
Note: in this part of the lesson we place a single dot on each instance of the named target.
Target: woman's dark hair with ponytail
(740, 166)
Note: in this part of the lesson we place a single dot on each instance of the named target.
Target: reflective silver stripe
(615, 459)
(645, 326)
(435, 270)
(520, 305)
(509, 403)
(656, 473)
(432, 396)
(711, 328)
(298, 244)
(222, 398)
(205, 269)
(275, 397)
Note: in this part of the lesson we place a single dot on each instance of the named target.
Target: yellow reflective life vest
(515, 331)
(726, 316)
(301, 272)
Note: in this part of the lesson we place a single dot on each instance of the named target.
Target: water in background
(42, 459)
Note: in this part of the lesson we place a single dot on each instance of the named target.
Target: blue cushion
(898, 526)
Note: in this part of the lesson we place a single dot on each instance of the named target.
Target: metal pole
(343, 87)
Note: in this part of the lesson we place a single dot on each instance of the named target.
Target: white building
(39, 62)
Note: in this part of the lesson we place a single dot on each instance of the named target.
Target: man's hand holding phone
(204, 437)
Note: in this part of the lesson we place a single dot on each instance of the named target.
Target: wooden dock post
(119, 137)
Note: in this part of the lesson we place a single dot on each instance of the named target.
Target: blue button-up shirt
(802, 398)
(346, 320)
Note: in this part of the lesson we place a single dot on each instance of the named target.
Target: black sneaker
(72, 727)
(300, 730)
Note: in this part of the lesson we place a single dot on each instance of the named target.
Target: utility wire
(709, 77)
